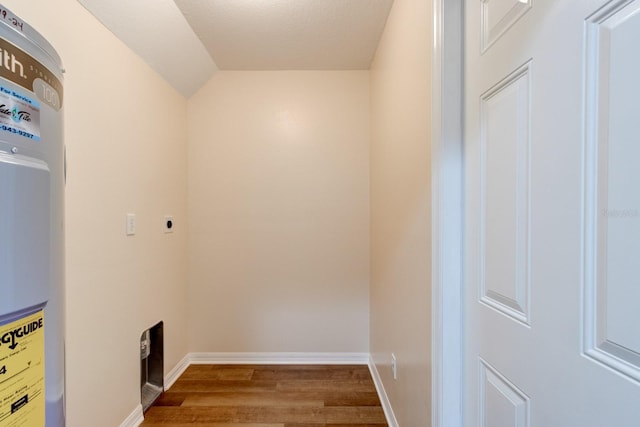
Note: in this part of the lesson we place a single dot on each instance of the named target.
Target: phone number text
(18, 132)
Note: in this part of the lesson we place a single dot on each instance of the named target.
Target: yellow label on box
(22, 394)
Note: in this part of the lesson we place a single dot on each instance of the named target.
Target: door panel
(613, 201)
(552, 213)
(504, 204)
(502, 404)
(498, 16)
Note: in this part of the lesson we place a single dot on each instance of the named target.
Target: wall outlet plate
(168, 224)
(394, 366)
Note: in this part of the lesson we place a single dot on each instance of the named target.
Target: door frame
(447, 165)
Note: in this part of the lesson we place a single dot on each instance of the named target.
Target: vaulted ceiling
(187, 41)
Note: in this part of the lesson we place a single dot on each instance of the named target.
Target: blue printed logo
(15, 114)
(20, 116)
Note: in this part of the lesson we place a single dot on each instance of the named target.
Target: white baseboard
(134, 419)
(382, 394)
(175, 373)
(280, 358)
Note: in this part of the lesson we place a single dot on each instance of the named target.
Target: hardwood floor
(269, 396)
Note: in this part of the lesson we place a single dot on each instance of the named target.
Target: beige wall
(401, 210)
(279, 212)
(280, 165)
(126, 146)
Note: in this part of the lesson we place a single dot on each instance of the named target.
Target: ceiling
(211, 35)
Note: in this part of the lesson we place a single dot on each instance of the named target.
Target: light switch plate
(131, 224)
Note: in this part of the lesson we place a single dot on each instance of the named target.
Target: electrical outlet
(394, 366)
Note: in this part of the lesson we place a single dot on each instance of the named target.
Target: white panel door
(552, 213)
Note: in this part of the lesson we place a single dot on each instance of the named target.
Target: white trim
(280, 358)
(382, 394)
(447, 220)
(175, 373)
(134, 419)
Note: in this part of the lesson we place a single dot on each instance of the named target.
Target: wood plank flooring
(269, 396)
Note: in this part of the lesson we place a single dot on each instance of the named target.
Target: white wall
(125, 131)
(278, 212)
(401, 210)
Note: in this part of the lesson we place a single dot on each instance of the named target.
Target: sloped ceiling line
(187, 41)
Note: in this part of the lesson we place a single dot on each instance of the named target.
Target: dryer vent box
(151, 365)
